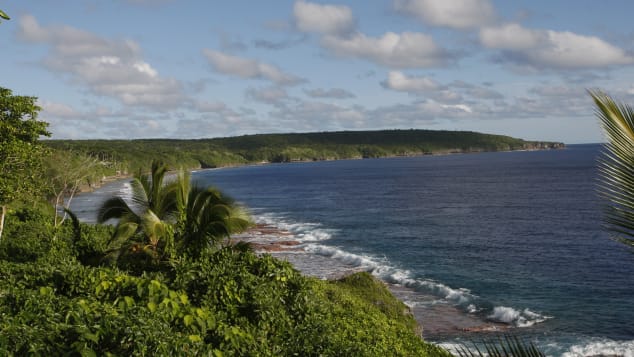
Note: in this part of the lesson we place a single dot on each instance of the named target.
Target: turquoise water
(513, 238)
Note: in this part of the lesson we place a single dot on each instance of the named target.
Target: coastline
(288, 249)
(435, 320)
(90, 187)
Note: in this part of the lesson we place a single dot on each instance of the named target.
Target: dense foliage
(57, 298)
(130, 155)
(20, 149)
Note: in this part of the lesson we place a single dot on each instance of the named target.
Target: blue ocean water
(508, 237)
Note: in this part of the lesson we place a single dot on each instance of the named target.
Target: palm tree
(206, 216)
(616, 165)
(143, 226)
(167, 218)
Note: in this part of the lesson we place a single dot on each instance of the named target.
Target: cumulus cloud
(405, 50)
(323, 19)
(58, 110)
(269, 95)
(337, 28)
(334, 93)
(209, 107)
(400, 82)
(309, 115)
(112, 68)
(458, 14)
(552, 49)
(248, 68)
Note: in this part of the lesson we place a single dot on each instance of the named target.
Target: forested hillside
(131, 155)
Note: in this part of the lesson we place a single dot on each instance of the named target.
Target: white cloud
(405, 50)
(459, 14)
(317, 116)
(552, 49)
(511, 37)
(269, 95)
(58, 110)
(334, 93)
(401, 82)
(248, 68)
(112, 68)
(209, 107)
(323, 19)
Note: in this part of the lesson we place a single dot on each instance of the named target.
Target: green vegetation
(58, 297)
(131, 155)
(20, 150)
(615, 166)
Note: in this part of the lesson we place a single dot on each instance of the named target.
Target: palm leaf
(510, 346)
(76, 225)
(123, 233)
(139, 194)
(616, 165)
(4, 15)
(113, 208)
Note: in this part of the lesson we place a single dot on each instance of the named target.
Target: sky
(125, 69)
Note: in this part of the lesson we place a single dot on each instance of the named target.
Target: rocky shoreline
(437, 319)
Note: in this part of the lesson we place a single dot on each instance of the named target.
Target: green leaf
(129, 301)
(188, 319)
(195, 338)
(152, 306)
(4, 15)
(87, 352)
(91, 336)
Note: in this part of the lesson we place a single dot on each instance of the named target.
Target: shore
(436, 319)
(544, 146)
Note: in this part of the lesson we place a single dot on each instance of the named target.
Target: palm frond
(76, 224)
(113, 208)
(122, 234)
(509, 346)
(139, 195)
(616, 165)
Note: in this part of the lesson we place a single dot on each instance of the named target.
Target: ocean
(476, 244)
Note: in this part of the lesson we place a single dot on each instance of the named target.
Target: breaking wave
(314, 235)
(509, 315)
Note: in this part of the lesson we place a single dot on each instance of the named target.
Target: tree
(65, 172)
(206, 216)
(20, 150)
(153, 203)
(165, 218)
(616, 165)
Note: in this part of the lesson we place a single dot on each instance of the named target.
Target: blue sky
(194, 69)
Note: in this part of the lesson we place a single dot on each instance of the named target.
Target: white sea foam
(302, 231)
(381, 269)
(602, 348)
(517, 318)
(313, 235)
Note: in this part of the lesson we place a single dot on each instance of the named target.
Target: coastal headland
(121, 158)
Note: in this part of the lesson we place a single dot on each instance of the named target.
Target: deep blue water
(514, 237)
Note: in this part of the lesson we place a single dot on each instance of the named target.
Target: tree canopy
(20, 149)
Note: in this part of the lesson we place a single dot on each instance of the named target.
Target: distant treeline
(128, 156)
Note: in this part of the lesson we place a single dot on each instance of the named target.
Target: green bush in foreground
(225, 302)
